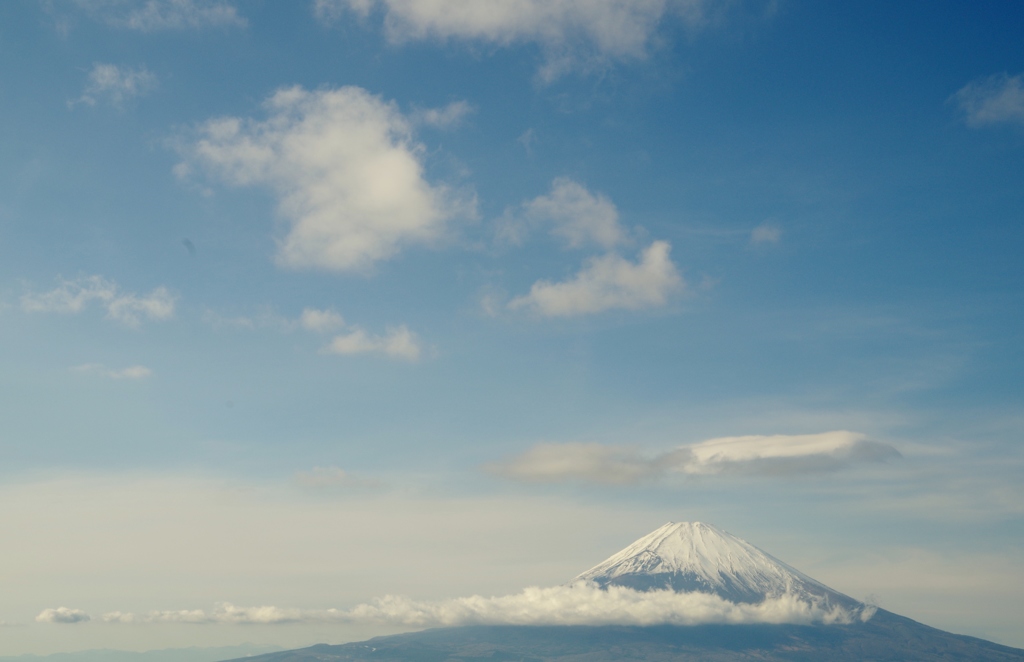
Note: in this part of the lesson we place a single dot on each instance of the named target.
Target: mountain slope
(885, 638)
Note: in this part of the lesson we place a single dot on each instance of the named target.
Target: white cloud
(572, 34)
(576, 215)
(346, 170)
(74, 296)
(443, 118)
(753, 454)
(116, 84)
(577, 604)
(321, 321)
(131, 372)
(994, 100)
(155, 15)
(608, 282)
(62, 615)
(766, 233)
(783, 454)
(398, 343)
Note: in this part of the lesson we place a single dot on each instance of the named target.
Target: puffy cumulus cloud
(345, 168)
(577, 604)
(997, 99)
(572, 34)
(573, 213)
(62, 615)
(156, 15)
(131, 372)
(74, 296)
(608, 282)
(116, 84)
(766, 233)
(753, 454)
(397, 342)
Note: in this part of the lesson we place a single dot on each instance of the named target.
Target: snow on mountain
(685, 557)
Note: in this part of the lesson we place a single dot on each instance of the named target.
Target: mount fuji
(696, 557)
(698, 562)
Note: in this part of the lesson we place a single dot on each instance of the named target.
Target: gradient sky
(307, 303)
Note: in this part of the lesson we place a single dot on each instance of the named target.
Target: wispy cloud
(572, 35)
(321, 321)
(766, 233)
(586, 462)
(74, 296)
(446, 117)
(156, 15)
(577, 604)
(998, 99)
(397, 342)
(608, 282)
(751, 455)
(115, 85)
(346, 171)
(62, 615)
(131, 372)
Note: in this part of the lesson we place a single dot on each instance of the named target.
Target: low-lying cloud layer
(577, 604)
(62, 615)
(752, 455)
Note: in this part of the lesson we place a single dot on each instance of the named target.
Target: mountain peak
(693, 556)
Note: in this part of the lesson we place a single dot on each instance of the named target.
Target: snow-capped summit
(685, 556)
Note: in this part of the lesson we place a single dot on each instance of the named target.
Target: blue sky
(345, 290)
